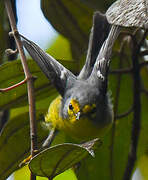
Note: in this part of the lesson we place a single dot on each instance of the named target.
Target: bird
(83, 109)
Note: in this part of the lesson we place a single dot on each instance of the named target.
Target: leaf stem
(28, 76)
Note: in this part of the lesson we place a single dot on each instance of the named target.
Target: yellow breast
(82, 129)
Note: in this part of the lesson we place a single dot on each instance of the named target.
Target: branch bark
(119, 116)
(28, 76)
(136, 124)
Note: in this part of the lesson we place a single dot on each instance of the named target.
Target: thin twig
(13, 86)
(121, 71)
(132, 36)
(136, 125)
(119, 116)
(28, 76)
(127, 70)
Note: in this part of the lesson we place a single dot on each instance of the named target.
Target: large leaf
(73, 19)
(127, 14)
(24, 174)
(18, 96)
(56, 159)
(15, 142)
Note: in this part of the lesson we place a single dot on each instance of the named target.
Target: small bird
(83, 110)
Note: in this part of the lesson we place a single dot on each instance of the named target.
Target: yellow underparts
(82, 129)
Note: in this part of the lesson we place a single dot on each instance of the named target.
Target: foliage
(73, 19)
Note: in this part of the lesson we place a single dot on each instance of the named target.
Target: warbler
(83, 110)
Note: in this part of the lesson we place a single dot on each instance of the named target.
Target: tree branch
(136, 124)
(127, 70)
(28, 76)
(121, 71)
(119, 116)
(13, 86)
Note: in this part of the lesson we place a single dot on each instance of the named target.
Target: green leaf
(142, 165)
(18, 97)
(15, 141)
(72, 19)
(57, 52)
(24, 174)
(55, 160)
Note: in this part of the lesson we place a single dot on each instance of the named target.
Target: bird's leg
(50, 138)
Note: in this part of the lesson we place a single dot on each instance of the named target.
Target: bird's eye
(70, 107)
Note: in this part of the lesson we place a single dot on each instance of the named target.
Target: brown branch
(136, 124)
(28, 76)
(13, 86)
(121, 71)
(119, 116)
(127, 70)
(131, 35)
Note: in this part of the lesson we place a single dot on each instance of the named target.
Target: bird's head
(79, 100)
(81, 94)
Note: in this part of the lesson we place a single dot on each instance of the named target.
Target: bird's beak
(78, 115)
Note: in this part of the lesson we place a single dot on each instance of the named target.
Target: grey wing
(99, 33)
(54, 71)
(100, 70)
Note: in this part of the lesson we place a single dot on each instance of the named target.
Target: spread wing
(101, 66)
(99, 33)
(54, 71)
